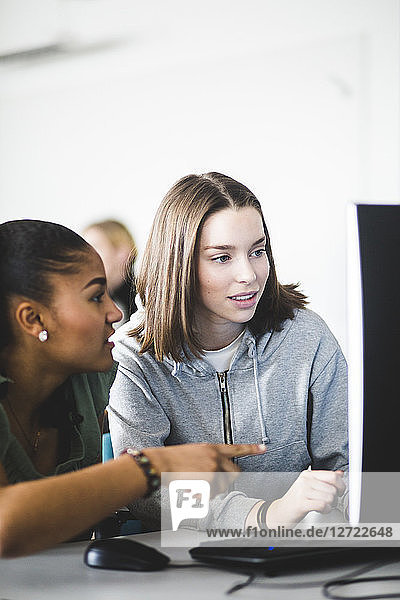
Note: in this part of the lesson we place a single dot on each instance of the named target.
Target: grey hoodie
(286, 389)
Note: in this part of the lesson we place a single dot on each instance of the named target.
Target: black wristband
(152, 476)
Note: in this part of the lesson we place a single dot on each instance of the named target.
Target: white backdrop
(298, 99)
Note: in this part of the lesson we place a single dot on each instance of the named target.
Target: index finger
(232, 450)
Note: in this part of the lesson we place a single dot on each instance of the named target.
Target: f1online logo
(189, 499)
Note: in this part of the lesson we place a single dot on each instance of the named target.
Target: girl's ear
(29, 317)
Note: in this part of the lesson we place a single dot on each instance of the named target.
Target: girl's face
(232, 269)
(79, 320)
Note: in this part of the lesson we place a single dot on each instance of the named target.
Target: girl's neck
(218, 337)
(32, 383)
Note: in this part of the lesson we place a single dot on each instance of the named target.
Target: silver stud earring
(43, 335)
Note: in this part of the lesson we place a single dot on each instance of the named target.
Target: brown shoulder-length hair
(167, 281)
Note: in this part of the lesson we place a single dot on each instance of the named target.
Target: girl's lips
(244, 300)
(242, 296)
(107, 341)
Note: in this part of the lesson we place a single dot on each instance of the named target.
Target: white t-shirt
(221, 359)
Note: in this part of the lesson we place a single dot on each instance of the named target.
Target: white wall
(299, 99)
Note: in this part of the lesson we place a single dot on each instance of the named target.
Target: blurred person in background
(115, 245)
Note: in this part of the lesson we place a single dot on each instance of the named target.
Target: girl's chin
(105, 364)
(243, 316)
(224, 318)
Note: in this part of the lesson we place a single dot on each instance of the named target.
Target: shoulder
(305, 323)
(306, 334)
(127, 348)
(307, 320)
(314, 336)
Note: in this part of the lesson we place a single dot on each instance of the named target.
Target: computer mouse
(125, 555)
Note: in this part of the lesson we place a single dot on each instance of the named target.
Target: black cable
(235, 588)
(240, 586)
(351, 580)
(344, 582)
(287, 586)
(350, 577)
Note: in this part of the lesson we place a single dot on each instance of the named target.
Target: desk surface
(60, 573)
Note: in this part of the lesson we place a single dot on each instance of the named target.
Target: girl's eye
(259, 252)
(98, 298)
(221, 259)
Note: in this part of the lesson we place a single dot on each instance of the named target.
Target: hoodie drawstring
(175, 370)
(252, 353)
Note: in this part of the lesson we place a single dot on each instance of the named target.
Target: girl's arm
(37, 514)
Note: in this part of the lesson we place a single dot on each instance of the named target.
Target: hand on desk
(312, 490)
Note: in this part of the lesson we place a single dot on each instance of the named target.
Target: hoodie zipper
(226, 409)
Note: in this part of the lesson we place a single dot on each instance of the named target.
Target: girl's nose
(245, 272)
(113, 314)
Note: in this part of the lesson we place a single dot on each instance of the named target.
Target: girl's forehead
(87, 267)
(228, 223)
